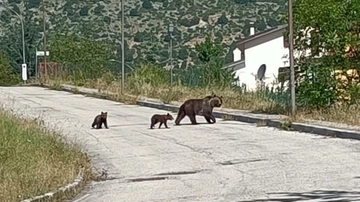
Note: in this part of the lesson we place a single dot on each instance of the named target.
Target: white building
(268, 47)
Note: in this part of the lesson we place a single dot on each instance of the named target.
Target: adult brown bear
(202, 107)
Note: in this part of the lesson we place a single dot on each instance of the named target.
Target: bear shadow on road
(190, 124)
(169, 124)
(142, 124)
(124, 125)
(323, 195)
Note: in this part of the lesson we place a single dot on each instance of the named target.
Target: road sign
(42, 53)
(24, 72)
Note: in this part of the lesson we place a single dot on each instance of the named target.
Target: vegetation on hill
(146, 26)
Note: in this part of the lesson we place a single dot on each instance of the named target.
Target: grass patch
(261, 124)
(34, 160)
(286, 124)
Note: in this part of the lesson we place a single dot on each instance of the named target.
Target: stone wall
(345, 79)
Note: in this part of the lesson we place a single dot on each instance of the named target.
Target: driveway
(224, 162)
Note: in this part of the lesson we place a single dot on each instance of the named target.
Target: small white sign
(24, 72)
(42, 53)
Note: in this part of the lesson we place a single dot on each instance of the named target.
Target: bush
(133, 13)
(79, 57)
(7, 76)
(189, 22)
(316, 88)
(147, 4)
(222, 20)
(146, 77)
(338, 38)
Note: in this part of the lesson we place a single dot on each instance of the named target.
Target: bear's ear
(102, 112)
(167, 114)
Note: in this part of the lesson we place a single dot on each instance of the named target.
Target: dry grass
(34, 161)
(232, 99)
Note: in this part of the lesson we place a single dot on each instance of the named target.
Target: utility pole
(171, 60)
(23, 44)
(44, 23)
(171, 30)
(291, 58)
(122, 49)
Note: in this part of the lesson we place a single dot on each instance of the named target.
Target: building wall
(269, 53)
(268, 49)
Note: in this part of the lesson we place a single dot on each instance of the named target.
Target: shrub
(7, 76)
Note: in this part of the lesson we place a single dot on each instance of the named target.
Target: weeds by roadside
(34, 161)
(254, 102)
(147, 81)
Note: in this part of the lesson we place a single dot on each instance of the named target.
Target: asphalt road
(224, 162)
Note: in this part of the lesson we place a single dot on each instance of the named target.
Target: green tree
(189, 22)
(271, 22)
(261, 26)
(147, 4)
(165, 3)
(11, 41)
(84, 11)
(208, 50)
(80, 57)
(205, 17)
(183, 54)
(317, 86)
(133, 13)
(241, 1)
(141, 36)
(33, 4)
(246, 29)
(7, 75)
(222, 20)
(212, 71)
(167, 38)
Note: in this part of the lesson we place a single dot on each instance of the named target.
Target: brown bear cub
(162, 118)
(99, 120)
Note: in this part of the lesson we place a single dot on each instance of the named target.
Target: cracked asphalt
(227, 162)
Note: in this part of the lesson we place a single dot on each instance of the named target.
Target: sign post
(39, 54)
(24, 72)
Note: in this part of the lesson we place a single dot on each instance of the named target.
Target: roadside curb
(60, 192)
(300, 127)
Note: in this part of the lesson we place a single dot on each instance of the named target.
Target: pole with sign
(39, 54)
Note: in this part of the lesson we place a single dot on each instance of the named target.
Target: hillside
(146, 23)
